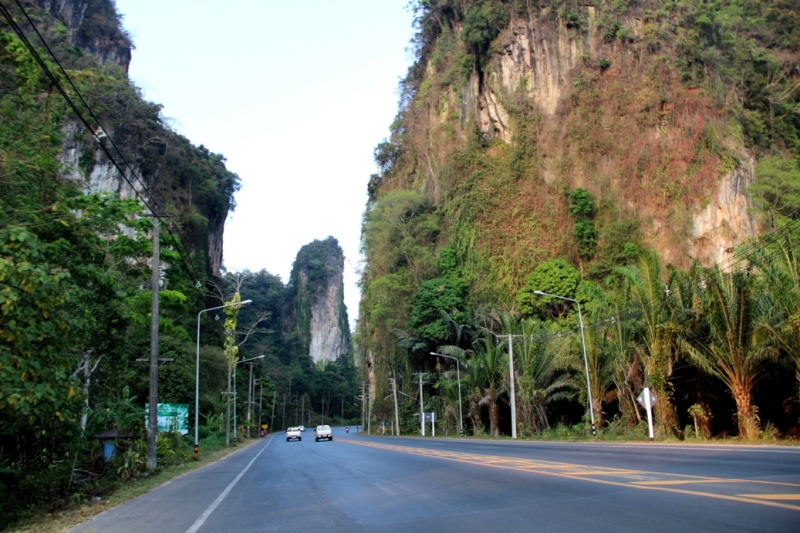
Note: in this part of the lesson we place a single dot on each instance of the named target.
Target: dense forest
(87, 166)
(579, 149)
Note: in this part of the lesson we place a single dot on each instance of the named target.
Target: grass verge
(64, 519)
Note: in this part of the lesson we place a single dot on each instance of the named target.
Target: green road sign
(171, 417)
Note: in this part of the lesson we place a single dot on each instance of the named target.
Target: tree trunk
(746, 417)
(494, 413)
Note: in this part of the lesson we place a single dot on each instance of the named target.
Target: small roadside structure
(109, 440)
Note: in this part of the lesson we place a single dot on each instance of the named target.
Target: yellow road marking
(637, 479)
(686, 481)
(792, 497)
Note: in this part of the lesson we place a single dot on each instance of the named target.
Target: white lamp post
(585, 360)
(197, 376)
(458, 375)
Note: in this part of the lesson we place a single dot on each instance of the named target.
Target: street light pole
(585, 359)
(197, 376)
(458, 375)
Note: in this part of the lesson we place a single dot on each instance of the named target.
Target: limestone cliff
(657, 110)
(93, 27)
(187, 181)
(586, 111)
(318, 286)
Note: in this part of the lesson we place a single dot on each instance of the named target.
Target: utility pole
(421, 404)
(512, 379)
(369, 414)
(342, 409)
(235, 426)
(393, 381)
(274, 401)
(228, 408)
(260, 397)
(249, 396)
(152, 418)
(302, 407)
(363, 399)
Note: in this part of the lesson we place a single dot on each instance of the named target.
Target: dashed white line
(203, 517)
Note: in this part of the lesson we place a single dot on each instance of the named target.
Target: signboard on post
(641, 398)
(647, 399)
(430, 417)
(172, 417)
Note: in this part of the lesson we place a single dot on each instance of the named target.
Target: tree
(778, 188)
(487, 369)
(656, 333)
(543, 375)
(482, 25)
(433, 297)
(780, 307)
(554, 277)
(582, 208)
(733, 348)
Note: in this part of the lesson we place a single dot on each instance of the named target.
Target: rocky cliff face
(631, 142)
(93, 26)
(511, 108)
(185, 179)
(318, 280)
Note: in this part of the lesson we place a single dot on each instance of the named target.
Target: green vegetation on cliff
(578, 148)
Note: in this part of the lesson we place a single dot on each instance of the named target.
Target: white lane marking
(203, 517)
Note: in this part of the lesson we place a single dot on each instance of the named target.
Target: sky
(295, 94)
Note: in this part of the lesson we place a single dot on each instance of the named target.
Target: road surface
(358, 483)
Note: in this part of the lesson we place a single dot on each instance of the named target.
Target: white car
(301, 428)
(293, 433)
(324, 432)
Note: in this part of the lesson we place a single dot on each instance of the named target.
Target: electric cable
(94, 132)
(66, 97)
(179, 239)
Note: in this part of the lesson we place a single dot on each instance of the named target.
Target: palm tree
(780, 313)
(487, 370)
(733, 349)
(602, 368)
(627, 365)
(543, 376)
(656, 332)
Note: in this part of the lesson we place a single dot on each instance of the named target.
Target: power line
(96, 133)
(66, 97)
(102, 129)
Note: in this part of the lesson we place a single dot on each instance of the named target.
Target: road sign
(643, 400)
(172, 417)
(647, 399)
(429, 417)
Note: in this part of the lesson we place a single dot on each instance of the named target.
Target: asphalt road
(357, 483)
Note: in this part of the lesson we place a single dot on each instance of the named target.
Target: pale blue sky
(296, 94)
